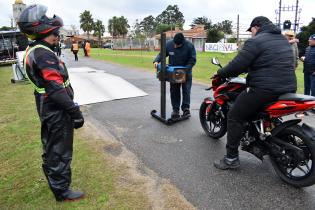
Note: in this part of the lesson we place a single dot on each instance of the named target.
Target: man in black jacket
(309, 67)
(181, 53)
(54, 99)
(268, 59)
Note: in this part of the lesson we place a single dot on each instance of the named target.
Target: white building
(18, 7)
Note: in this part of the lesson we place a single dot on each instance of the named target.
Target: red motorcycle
(290, 145)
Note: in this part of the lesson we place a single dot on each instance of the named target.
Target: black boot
(227, 163)
(69, 195)
(175, 114)
(186, 113)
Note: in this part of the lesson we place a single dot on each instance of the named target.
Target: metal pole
(238, 30)
(280, 3)
(296, 13)
(163, 76)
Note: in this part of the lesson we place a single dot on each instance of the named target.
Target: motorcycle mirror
(215, 61)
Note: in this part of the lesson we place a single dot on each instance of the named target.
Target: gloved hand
(217, 80)
(215, 77)
(77, 119)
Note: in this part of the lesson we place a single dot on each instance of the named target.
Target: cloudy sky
(216, 10)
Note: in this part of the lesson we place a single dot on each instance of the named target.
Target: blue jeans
(176, 96)
(309, 84)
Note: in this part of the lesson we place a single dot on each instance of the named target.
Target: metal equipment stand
(162, 116)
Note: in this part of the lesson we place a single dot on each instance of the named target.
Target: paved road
(183, 154)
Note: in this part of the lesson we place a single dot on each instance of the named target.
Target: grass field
(22, 183)
(201, 72)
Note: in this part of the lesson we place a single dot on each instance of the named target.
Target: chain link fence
(149, 44)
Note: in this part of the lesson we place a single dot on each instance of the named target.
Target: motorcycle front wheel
(212, 121)
(291, 171)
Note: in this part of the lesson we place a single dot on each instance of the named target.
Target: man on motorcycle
(268, 59)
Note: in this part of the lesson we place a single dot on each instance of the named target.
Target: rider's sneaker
(227, 163)
(175, 114)
(186, 113)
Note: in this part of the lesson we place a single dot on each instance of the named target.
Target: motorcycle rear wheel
(212, 123)
(303, 173)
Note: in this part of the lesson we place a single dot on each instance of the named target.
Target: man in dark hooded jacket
(268, 59)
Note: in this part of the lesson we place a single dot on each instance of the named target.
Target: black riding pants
(57, 139)
(246, 106)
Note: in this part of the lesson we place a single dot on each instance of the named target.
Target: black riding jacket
(268, 60)
(48, 73)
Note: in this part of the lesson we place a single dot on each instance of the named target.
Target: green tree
(163, 27)
(113, 26)
(225, 26)
(123, 26)
(214, 35)
(99, 30)
(118, 26)
(5, 28)
(202, 21)
(171, 16)
(137, 32)
(148, 26)
(86, 22)
(304, 35)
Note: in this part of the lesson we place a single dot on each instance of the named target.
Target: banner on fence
(220, 47)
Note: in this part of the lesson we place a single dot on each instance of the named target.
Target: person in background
(75, 50)
(57, 49)
(309, 67)
(58, 114)
(88, 48)
(181, 53)
(290, 35)
(83, 47)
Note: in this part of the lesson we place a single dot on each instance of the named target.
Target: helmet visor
(36, 12)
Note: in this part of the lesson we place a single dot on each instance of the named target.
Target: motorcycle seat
(296, 97)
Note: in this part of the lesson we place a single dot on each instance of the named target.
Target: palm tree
(118, 26)
(86, 22)
(99, 30)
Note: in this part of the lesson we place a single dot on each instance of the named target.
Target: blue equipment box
(174, 74)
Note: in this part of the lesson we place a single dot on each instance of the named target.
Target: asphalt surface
(183, 153)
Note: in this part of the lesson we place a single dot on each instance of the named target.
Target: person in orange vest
(75, 50)
(88, 48)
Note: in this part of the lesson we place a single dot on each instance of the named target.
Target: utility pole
(290, 8)
(296, 15)
(238, 30)
(11, 23)
(279, 19)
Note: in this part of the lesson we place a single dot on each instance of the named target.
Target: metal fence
(135, 44)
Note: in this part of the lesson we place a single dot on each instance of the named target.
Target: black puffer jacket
(268, 60)
(309, 61)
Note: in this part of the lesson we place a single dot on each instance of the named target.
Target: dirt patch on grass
(160, 193)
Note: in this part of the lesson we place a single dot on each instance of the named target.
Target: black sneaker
(69, 195)
(175, 114)
(186, 113)
(227, 163)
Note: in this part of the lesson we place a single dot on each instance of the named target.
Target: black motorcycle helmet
(34, 23)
